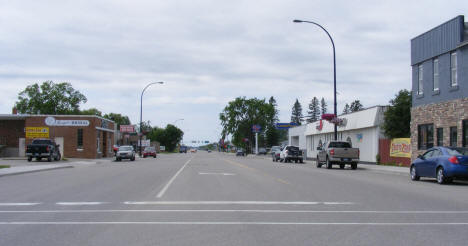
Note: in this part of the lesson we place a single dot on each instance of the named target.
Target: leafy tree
(271, 133)
(346, 109)
(398, 116)
(118, 119)
(240, 114)
(91, 111)
(168, 137)
(323, 106)
(50, 98)
(314, 111)
(145, 127)
(296, 115)
(356, 106)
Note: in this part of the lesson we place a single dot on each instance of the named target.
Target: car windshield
(41, 141)
(457, 151)
(126, 148)
(339, 145)
(292, 148)
(149, 149)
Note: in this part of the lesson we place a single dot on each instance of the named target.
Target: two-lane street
(219, 199)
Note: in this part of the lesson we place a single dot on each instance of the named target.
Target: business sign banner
(127, 128)
(37, 132)
(145, 143)
(400, 147)
(51, 121)
(285, 125)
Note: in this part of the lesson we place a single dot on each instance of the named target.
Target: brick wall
(442, 115)
(11, 131)
(384, 152)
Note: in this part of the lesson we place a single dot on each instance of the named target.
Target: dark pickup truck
(43, 148)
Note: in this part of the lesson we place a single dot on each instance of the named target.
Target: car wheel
(441, 179)
(354, 166)
(154, 156)
(29, 158)
(38, 159)
(342, 166)
(49, 158)
(329, 165)
(414, 175)
(301, 161)
(317, 163)
(295, 161)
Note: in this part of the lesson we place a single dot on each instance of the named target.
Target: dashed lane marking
(223, 174)
(79, 203)
(225, 223)
(230, 211)
(234, 203)
(19, 203)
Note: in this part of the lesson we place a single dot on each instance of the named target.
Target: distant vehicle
(275, 153)
(125, 152)
(193, 150)
(337, 153)
(149, 151)
(43, 148)
(209, 150)
(240, 152)
(291, 153)
(262, 151)
(183, 149)
(443, 163)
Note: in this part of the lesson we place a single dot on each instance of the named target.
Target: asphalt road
(219, 199)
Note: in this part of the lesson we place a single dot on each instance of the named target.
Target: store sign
(285, 125)
(145, 143)
(51, 121)
(400, 147)
(37, 132)
(127, 128)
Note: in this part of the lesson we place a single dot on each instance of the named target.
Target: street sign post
(256, 129)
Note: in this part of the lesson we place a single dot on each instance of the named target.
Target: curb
(34, 171)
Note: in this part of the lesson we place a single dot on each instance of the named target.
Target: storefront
(79, 136)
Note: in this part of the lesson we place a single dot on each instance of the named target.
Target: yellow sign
(37, 132)
(400, 147)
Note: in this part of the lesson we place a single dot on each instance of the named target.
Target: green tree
(346, 109)
(323, 106)
(91, 111)
(50, 98)
(271, 133)
(296, 114)
(240, 115)
(398, 116)
(118, 119)
(356, 106)
(314, 111)
(168, 137)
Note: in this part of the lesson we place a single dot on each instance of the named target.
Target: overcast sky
(210, 52)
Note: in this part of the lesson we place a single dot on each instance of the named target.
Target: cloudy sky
(210, 52)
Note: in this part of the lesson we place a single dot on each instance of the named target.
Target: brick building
(439, 60)
(79, 136)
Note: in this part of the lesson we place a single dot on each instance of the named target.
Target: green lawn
(4, 166)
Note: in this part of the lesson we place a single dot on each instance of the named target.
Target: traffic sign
(256, 128)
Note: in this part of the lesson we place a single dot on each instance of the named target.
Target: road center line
(234, 203)
(229, 211)
(164, 189)
(224, 174)
(79, 203)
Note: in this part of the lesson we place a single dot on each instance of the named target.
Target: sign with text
(256, 128)
(51, 121)
(37, 132)
(127, 128)
(400, 147)
(285, 125)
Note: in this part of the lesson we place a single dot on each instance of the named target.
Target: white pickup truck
(337, 153)
(291, 153)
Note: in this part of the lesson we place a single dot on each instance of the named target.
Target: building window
(453, 136)
(425, 136)
(465, 133)
(436, 75)
(420, 79)
(440, 136)
(453, 69)
(79, 138)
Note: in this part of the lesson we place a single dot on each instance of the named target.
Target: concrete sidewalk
(31, 169)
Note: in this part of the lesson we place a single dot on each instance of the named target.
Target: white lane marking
(161, 193)
(231, 203)
(79, 203)
(225, 223)
(224, 174)
(229, 211)
(19, 203)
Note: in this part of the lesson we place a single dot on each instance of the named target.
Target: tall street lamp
(334, 68)
(141, 112)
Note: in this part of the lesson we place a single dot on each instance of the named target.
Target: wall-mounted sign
(37, 132)
(319, 125)
(359, 137)
(285, 125)
(51, 121)
(127, 128)
(400, 147)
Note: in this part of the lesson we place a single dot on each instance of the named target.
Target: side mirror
(421, 157)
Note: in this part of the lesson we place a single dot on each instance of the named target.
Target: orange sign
(37, 132)
(400, 147)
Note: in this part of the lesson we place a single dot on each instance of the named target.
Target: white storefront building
(362, 129)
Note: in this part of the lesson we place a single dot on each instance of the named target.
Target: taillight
(454, 160)
(332, 152)
(287, 152)
(47, 149)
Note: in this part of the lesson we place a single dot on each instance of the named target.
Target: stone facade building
(439, 113)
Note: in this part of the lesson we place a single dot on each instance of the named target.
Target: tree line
(317, 109)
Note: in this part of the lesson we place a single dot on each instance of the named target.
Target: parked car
(275, 153)
(125, 152)
(183, 149)
(262, 151)
(337, 153)
(149, 151)
(443, 163)
(43, 148)
(291, 153)
(240, 152)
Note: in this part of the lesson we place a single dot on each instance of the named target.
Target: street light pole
(141, 112)
(334, 70)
